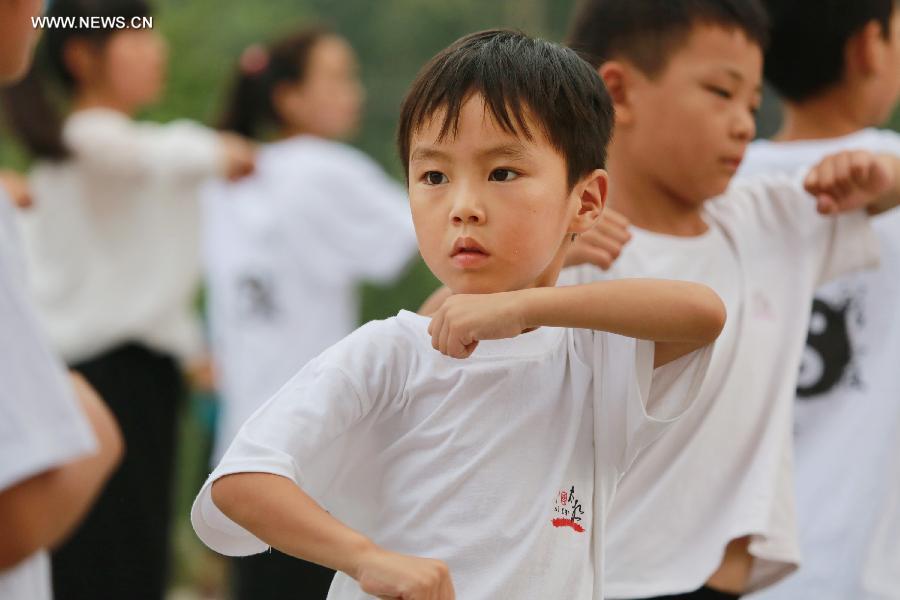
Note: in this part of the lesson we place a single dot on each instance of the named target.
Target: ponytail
(249, 109)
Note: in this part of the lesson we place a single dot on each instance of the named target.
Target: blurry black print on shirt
(256, 297)
(830, 357)
(568, 510)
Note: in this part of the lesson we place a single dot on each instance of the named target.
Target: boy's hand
(602, 244)
(465, 319)
(239, 155)
(393, 576)
(849, 181)
(16, 187)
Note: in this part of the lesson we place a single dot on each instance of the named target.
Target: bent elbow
(712, 316)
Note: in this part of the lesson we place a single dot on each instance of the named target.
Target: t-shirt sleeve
(353, 380)
(778, 211)
(634, 403)
(362, 217)
(109, 143)
(41, 424)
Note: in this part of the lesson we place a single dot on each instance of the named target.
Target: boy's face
(687, 127)
(493, 211)
(889, 78)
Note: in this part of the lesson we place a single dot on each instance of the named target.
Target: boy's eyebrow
(511, 151)
(739, 77)
(426, 153)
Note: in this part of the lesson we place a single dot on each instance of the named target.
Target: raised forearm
(658, 310)
(282, 515)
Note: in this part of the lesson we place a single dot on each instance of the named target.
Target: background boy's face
(492, 211)
(889, 78)
(688, 127)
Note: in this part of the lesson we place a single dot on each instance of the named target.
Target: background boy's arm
(849, 181)
(679, 316)
(41, 511)
(278, 512)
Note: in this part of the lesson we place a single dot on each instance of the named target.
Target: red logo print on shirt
(568, 510)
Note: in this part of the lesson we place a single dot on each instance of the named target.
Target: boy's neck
(87, 100)
(648, 205)
(833, 114)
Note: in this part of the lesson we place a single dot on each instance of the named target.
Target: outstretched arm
(679, 316)
(278, 512)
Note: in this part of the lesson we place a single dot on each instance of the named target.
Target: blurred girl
(286, 248)
(112, 246)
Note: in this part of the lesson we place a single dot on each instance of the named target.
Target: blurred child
(112, 245)
(837, 68)
(58, 442)
(707, 511)
(283, 260)
(484, 466)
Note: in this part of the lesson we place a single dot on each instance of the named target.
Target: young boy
(706, 511)
(390, 462)
(58, 441)
(837, 68)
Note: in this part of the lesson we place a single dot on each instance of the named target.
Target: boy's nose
(744, 127)
(467, 210)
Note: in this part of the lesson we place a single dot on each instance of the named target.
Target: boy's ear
(591, 193)
(617, 77)
(865, 53)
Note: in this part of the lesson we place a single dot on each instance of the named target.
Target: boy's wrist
(532, 307)
(361, 551)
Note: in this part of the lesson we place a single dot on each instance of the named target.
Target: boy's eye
(721, 92)
(502, 175)
(434, 178)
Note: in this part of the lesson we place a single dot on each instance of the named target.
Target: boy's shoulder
(384, 339)
(768, 156)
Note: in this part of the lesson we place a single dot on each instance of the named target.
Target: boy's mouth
(467, 253)
(733, 163)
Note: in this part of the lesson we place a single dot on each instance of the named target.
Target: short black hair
(647, 32)
(809, 38)
(518, 77)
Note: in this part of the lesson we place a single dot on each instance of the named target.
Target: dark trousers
(121, 550)
(276, 576)
(703, 593)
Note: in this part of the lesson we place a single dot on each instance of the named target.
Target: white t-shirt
(41, 426)
(486, 463)
(113, 237)
(723, 471)
(847, 414)
(285, 250)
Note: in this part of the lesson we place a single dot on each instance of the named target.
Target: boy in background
(707, 510)
(58, 441)
(837, 68)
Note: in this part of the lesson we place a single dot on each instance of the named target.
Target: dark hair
(519, 77)
(30, 110)
(250, 108)
(809, 38)
(647, 32)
